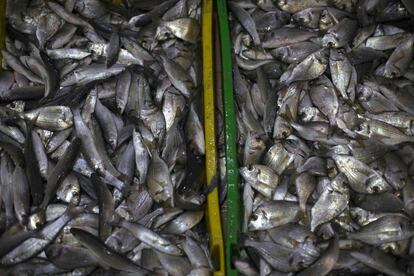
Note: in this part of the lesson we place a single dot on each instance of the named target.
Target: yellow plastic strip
(213, 204)
(2, 25)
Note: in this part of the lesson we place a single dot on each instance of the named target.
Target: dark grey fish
(60, 171)
(32, 167)
(106, 207)
(113, 48)
(104, 256)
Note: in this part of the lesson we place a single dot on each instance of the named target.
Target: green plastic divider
(232, 174)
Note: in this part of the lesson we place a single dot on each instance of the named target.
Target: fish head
(376, 184)
(327, 20)
(391, 71)
(330, 40)
(36, 220)
(363, 128)
(259, 220)
(304, 17)
(249, 173)
(283, 4)
(162, 33)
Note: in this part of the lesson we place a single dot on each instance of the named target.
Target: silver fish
(323, 111)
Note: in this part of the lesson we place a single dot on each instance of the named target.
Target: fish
(326, 262)
(332, 201)
(310, 68)
(323, 104)
(151, 239)
(246, 21)
(60, 171)
(104, 255)
(344, 75)
(384, 229)
(323, 96)
(285, 36)
(102, 147)
(397, 64)
(261, 178)
(33, 245)
(340, 34)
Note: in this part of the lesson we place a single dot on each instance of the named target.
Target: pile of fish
(324, 95)
(101, 138)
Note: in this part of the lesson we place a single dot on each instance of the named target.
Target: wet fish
(310, 68)
(102, 140)
(286, 36)
(324, 144)
(245, 20)
(104, 255)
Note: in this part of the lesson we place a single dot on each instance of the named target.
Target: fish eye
(254, 217)
(359, 127)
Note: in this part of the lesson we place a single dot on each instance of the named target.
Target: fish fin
(288, 116)
(210, 187)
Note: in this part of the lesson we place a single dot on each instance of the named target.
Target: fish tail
(73, 210)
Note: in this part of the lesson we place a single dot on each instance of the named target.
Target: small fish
(344, 75)
(286, 36)
(324, 136)
(295, 52)
(340, 34)
(310, 68)
(104, 255)
(331, 202)
(385, 229)
(151, 239)
(159, 181)
(378, 260)
(34, 245)
(261, 178)
(361, 177)
(272, 214)
(398, 63)
(32, 167)
(90, 73)
(323, 96)
(113, 48)
(102, 141)
(245, 20)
